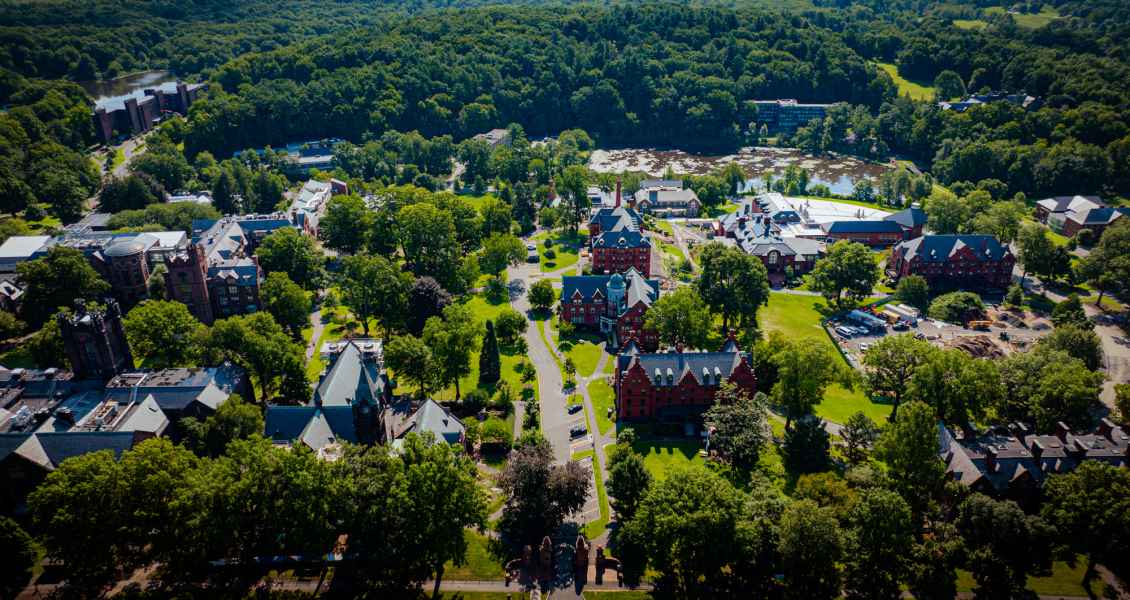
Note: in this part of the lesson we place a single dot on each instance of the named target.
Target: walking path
(316, 327)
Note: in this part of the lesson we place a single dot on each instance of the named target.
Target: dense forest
(630, 73)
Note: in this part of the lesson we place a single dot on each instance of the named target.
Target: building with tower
(95, 341)
(615, 305)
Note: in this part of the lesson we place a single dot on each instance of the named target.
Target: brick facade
(954, 261)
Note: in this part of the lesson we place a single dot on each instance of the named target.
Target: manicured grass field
(582, 348)
(565, 246)
(663, 226)
(1065, 580)
(970, 24)
(602, 398)
(1045, 16)
(480, 565)
(663, 457)
(796, 317)
(916, 91)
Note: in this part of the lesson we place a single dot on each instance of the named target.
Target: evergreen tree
(223, 194)
(490, 365)
(806, 446)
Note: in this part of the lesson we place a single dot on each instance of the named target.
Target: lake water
(111, 93)
(838, 172)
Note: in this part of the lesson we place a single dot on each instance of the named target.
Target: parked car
(864, 347)
(575, 408)
(577, 431)
(845, 331)
(532, 256)
(531, 247)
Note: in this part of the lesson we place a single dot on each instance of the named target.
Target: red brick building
(677, 386)
(912, 220)
(614, 304)
(954, 261)
(618, 251)
(871, 233)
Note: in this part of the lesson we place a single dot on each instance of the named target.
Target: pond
(111, 93)
(836, 171)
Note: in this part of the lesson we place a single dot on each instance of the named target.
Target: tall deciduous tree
(890, 364)
(163, 334)
(233, 420)
(804, 371)
(410, 359)
(1078, 341)
(452, 340)
(1047, 386)
(732, 283)
(628, 483)
(258, 343)
(20, 557)
(374, 287)
(859, 434)
(1107, 266)
(909, 446)
(542, 296)
(1003, 545)
(880, 539)
(680, 318)
(738, 424)
(914, 291)
(1090, 509)
(287, 302)
(807, 445)
(849, 268)
(539, 494)
(428, 239)
(427, 299)
(56, 281)
(811, 546)
(959, 387)
(572, 184)
(346, 224)
(500, 251)
(287, 251)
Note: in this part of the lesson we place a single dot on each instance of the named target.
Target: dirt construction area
(1009, 331)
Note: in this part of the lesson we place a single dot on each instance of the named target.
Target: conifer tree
(490, 366)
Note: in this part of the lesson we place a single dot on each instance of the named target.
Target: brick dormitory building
(677, 386)
(617, 242)
(954, 261)
(614, 305)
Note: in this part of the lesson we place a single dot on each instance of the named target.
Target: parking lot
(1007, 333)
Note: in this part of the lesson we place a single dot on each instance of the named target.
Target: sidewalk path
(316, 327)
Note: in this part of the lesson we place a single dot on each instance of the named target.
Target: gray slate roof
(908, 217)
(350, 379)
(699, 364)
(939, 248)
(622, 239)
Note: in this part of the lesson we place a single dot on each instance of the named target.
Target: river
(838, 172)
(111, 93)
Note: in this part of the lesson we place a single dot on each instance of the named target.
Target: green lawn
(18, 357)
(44, 225)
(663, 226)
(565, 246)
(796, 317)
(582, 348)
(1065, 580)
(603, 398)
(663, 457)
(480, 565)
(970, 24)
(1045, 16)
(916, 91)
(333, 330)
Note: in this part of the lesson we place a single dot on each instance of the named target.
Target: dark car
(575, 408)
(577, 431)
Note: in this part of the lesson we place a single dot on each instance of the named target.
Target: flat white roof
(169, 239)
(22, 246)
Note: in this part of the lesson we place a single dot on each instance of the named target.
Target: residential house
(912, 220)
(1013, 461)
(615, 305)
(679, 385)
(954, 261)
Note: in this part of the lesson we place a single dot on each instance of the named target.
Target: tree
(490, 364)
(427, 299)
(542, 296)
(1048, 386)
(20, 557)
(500, 251)
(69, 511)
(804, 371)
(374, 287)
(1035, 250)
(10, 326)
(891, 363)
(732, 283)
(1070, 312)
(258, 343)
(510, 325)
(849, 267)
(1078, 341)
(496, 215)
(880, 539)
(811, 546)
(934, 561)
(859, 434)
(914, 291)
(152, 473)
(960, 388)
(1004, 545)
(628, 482)
(130, 193)
(946, 213)
(235, 419)
(1107, 266)
(1015, 296)
(956, 307)
(163, 334)
(287, 302)
(428, 240)
(688, 526)
(46, 346)
(539, 494)
(56, 281)
(738, 425)
(806, 446)
(287, 251)
(948, 85)
(679, 318)
(1090, 509)
(572, 184)
(346, 224)
(909, 445)
(1122, 400)
(1002, 220)
(224, 193)
(452, 340)
(410, 358)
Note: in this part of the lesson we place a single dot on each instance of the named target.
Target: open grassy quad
(664, 457)
(916, 90)
(797, 317)
(566, 249)
(603, 398)
(582, 347)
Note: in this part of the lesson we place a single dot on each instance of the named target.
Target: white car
(864, 347)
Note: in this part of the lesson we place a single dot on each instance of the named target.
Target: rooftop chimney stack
(1062, 431)
(618, 183)
(991, 459)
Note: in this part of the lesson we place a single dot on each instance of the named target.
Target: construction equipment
(981, 325)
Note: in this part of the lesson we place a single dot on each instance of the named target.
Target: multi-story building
(134, 114)
(309, 203)
(666, 198)
(614, 219)
(618, 251)
(1069, 215)
(912, 220)
(613, 304)
(95, 341)
(1013, 462)
(871, 233)
(954, 261)
(787, 115)
(677, 386)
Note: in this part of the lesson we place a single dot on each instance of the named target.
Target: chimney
(617, 192)
(1062, 431)
(1037, 449)
(991, 459)
(1106, 429)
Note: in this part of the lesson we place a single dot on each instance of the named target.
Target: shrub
(549, 253)
(495, 434)
(956, 307)
(476, 399)
(1015, 295)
